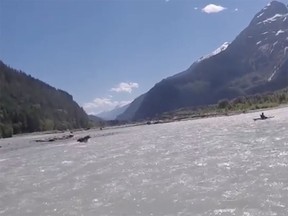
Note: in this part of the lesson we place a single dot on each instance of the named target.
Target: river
(215, 166)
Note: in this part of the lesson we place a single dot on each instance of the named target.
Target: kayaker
(263, 116)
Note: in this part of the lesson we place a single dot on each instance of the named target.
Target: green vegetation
(237, 105)
(29, 105)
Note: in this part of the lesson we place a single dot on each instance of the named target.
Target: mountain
(112, 114)
(255, 62)
(130, 111)
(96, 121)
(28, 104)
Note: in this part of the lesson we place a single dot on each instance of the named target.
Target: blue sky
(107, 52)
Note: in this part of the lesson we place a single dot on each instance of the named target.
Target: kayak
(269, 117)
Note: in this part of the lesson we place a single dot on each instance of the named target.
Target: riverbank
(189, 114)
(30, 140)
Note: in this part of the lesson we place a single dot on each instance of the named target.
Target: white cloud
(195, 8)
(125, 87)
(212, 8)
(99, 105)
(236, 10)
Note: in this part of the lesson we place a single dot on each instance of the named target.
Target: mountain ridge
(254, 62)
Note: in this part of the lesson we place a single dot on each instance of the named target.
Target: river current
(215, 166)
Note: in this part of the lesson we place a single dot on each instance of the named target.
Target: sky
(105, 53)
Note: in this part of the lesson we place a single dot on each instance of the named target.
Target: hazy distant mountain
(130, 111)
(112, 114)
(96, 121)
(256, 61)
(28, 104)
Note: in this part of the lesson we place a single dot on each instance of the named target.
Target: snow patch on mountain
(272, 75)
(285, 51)
(215, 52)
(260, 15)
(274, 44)
(265, 33)
(274, 18)
(279, 32)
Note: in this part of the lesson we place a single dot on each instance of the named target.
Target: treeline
(225, 106)
(28, 105)
(257, 101)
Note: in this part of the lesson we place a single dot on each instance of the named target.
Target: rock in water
(84, 139)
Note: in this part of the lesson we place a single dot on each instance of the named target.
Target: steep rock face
(263, 44)
(253, 63)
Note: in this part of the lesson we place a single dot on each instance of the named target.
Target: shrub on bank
(6, 130)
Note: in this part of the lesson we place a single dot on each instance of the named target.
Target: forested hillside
(28, 105)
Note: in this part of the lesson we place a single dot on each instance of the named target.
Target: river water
(214, 166)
